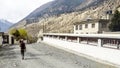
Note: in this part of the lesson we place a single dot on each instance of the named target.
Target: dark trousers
(22, 52)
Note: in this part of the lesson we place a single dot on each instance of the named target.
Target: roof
(1, 33)
(92, 21)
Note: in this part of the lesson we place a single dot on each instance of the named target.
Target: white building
(1, 39)
(6, 38)
(91, 26)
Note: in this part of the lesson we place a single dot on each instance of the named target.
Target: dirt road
(42, 56)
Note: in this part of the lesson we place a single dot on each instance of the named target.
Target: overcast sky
(15, 10)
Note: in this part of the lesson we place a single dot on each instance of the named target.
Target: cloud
(15, 10)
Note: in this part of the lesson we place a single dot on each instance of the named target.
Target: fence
(101, 40)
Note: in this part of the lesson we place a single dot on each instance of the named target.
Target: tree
(23, 33)
(115, 22)
(15, 33)
(19, 33)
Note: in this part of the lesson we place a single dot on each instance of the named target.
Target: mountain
(4, 25)
(58, 7)
(59, 15)
(55, 7)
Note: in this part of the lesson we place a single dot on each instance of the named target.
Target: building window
(86, 25)
(93, 25)
(80, 27)
(76, 27)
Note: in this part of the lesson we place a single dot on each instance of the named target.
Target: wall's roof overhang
(1, 33)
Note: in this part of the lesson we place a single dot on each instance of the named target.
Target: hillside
(59, 15)
(57, 7)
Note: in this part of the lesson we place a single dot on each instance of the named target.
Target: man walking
(23, 48)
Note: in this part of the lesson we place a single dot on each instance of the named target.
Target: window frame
(80, 27)
(86, 25)
(76, 27)
(93, 25)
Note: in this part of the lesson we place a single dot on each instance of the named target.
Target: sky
(15, 10)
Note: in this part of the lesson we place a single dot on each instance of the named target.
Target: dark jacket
(22, 45)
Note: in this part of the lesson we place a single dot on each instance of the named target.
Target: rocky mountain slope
(59, 15)
(4, 25)
(57, 7)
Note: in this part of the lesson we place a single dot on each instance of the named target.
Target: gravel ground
(43, 56)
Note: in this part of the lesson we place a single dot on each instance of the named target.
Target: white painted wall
(88, 30)
(105, 54)
(1, 39)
